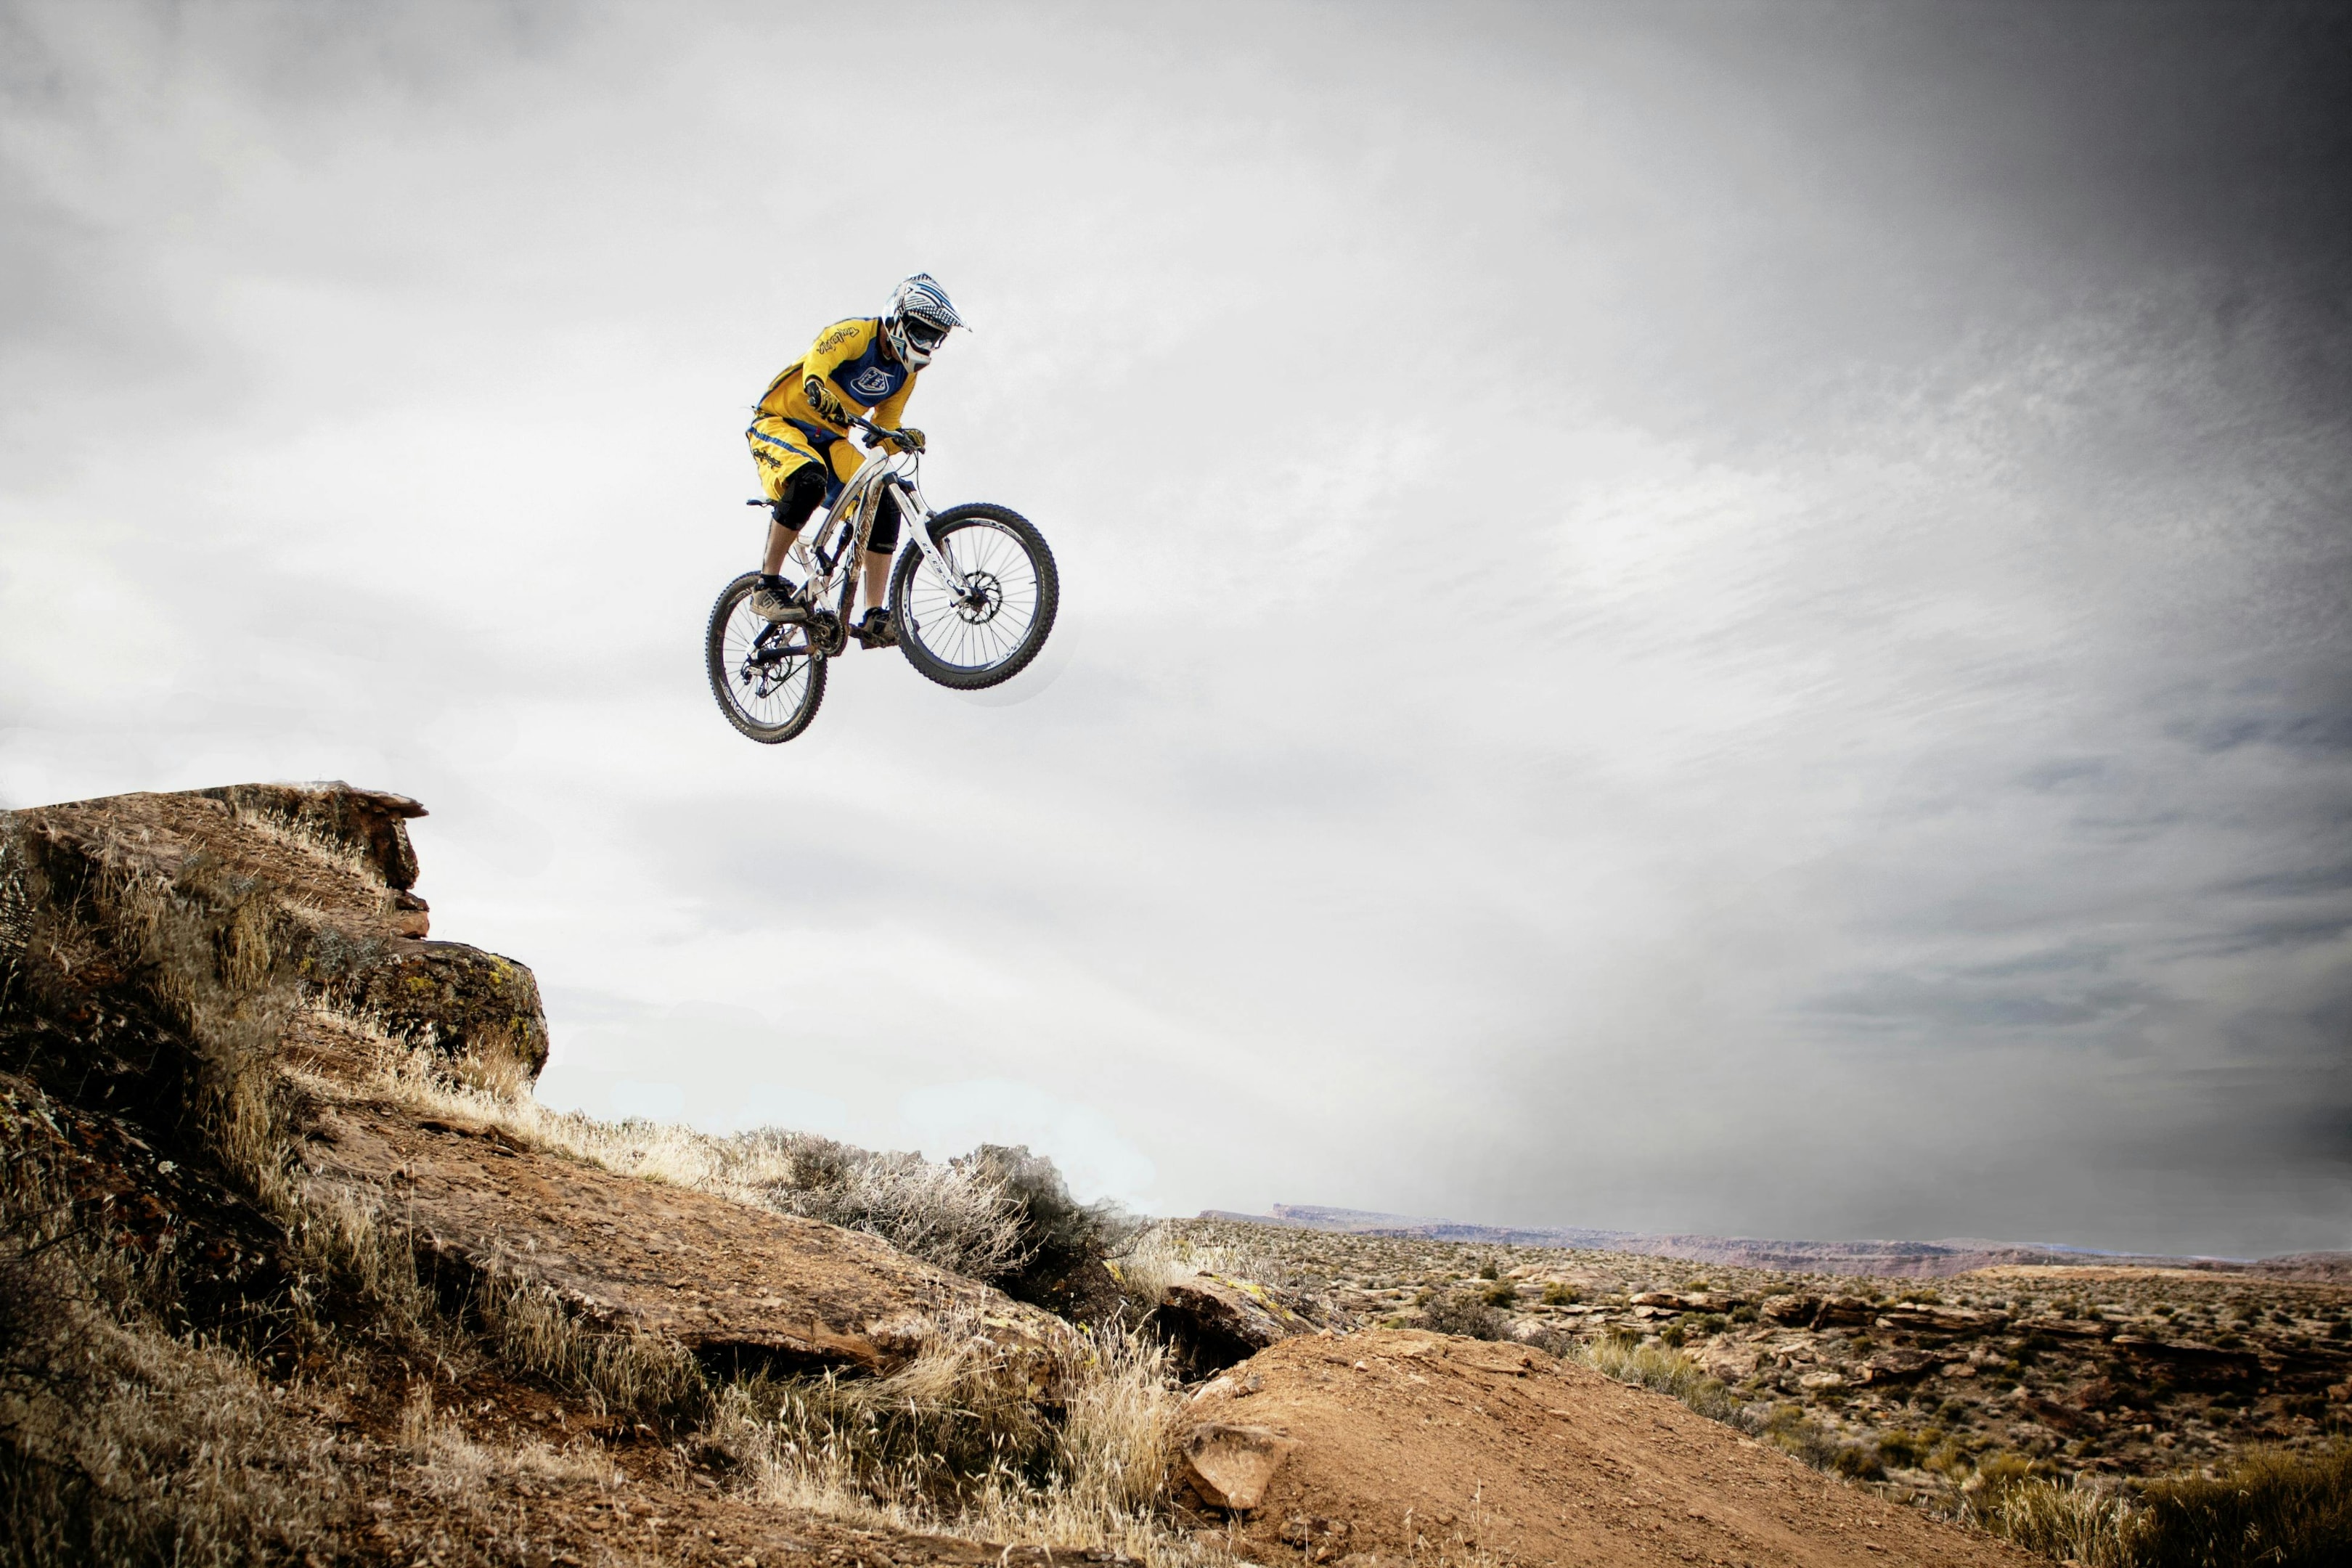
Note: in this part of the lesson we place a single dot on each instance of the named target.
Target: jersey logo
(835, 338)
(873, 383)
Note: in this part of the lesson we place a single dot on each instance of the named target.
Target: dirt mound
(1412, 1444)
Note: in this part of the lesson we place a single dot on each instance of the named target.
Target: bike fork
(912, 511)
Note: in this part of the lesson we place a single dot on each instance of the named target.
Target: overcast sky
(1723, 617)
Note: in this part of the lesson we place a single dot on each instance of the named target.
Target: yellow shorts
(779, 448)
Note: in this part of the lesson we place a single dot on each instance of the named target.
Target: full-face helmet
(917, 319)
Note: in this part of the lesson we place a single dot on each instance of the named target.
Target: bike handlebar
(877, 434)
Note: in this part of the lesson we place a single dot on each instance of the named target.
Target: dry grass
(618, 1371)
(2272, 1509)
(1668, 1372)
(2080, 1523)
(304, 839)
(958, 1443)
(124, 1444)
(956, 1217)
(450, 1463)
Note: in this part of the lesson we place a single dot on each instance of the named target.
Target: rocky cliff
(293, 1269)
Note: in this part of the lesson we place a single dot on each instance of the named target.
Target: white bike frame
(860, 498)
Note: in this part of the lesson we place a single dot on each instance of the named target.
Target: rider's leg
(780, 540)
(801, 494)
(881, 547)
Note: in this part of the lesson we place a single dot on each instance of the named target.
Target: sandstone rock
(1897, 1366)
(412, 916)
(1216, 1321)
(1819, 1380)
(1687, 1301)
(2191, 1361)
(460, 1000)
(2068, 1328)
(1789, 1309)
(1845, 1310)
(1230, 1466)
(1911, 1317)
(368, 823)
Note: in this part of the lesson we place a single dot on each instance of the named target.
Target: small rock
(1230, 1466)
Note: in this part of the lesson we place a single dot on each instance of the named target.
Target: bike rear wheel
(767, 678)
(990, 634)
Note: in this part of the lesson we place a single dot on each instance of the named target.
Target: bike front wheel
(767, 678)
(989, 632)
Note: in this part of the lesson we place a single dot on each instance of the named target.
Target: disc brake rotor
(986, 598)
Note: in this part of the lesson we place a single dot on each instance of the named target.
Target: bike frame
(855, 511)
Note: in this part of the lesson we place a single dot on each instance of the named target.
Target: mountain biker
(797, 436)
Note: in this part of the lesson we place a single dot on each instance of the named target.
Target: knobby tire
(931, 664)
(719, 662)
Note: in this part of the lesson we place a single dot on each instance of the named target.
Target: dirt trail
(1429, 1447)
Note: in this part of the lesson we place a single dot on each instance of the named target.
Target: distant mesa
(1917, 1259)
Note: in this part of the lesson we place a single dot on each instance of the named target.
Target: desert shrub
(1858, 1462)
(1556, 1293)
(1064, 1244)
(960, 1215)
(1743, 1315)
(1500, 1293)
(2279, 1510)
(1668, 1372)
(957, 1441)
(957, 1215)
(1788, 1428)
(1466, 1312)
(1672, 1335)
(1490, 1270)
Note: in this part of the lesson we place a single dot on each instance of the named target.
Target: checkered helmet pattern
(921, 300)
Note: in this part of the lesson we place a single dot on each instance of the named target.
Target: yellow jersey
(788, 431)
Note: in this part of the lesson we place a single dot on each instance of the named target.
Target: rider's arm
(837, 344)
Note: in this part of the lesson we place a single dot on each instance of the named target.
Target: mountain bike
(973, 596)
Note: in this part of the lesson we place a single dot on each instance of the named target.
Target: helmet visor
(924, 335)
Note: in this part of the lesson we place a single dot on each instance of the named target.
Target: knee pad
(800, 495)
(884, 537)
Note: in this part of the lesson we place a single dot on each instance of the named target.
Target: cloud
(1724, 620)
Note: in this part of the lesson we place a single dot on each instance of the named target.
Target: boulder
(459, 1000)
(1789, 1309)
(1897, 1366)
(2190, 1361)
(1688, 1300)
(1850, 1312)
(1231, 1466)
(1912, 1316)
(1215, 1321)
